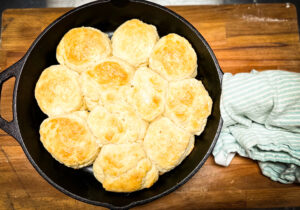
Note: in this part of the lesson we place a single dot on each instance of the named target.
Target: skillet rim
(54, 184)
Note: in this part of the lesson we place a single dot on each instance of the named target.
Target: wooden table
(243, 37)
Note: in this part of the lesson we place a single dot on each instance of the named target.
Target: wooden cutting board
(243, 37)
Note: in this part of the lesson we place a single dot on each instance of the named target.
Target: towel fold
(261, 113)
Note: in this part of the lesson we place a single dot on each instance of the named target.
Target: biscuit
(174, 58)
(81, 48)
(106, 81)
(133, 41)
(124, 168)
(166, 144)
(188, 105)
(147, 93)
(68, 139)
(58, 91)
(116, 123)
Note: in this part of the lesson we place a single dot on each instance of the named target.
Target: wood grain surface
(243, 37)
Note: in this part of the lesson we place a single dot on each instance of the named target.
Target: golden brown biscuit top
(57, 90)
(135, 28)
(147, 94)
(69, 140)
(133, 41)
(120, 159)
(174, 58)
(109, 72)
(80, 41)
(166, 144)
(107, 82)
(81, 47)
(50, 86)
(124, 168)
(188, 104)
(116, 123)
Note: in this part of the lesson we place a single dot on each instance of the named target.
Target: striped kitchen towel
(261, 113)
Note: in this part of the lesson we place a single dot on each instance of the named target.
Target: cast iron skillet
(106, 15)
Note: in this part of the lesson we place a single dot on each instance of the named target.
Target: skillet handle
(11, 127)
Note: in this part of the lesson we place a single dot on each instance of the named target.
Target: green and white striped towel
(261, 113)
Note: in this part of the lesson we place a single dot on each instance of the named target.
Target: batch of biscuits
(130, 106)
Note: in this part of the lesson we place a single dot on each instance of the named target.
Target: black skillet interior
(107, 16)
